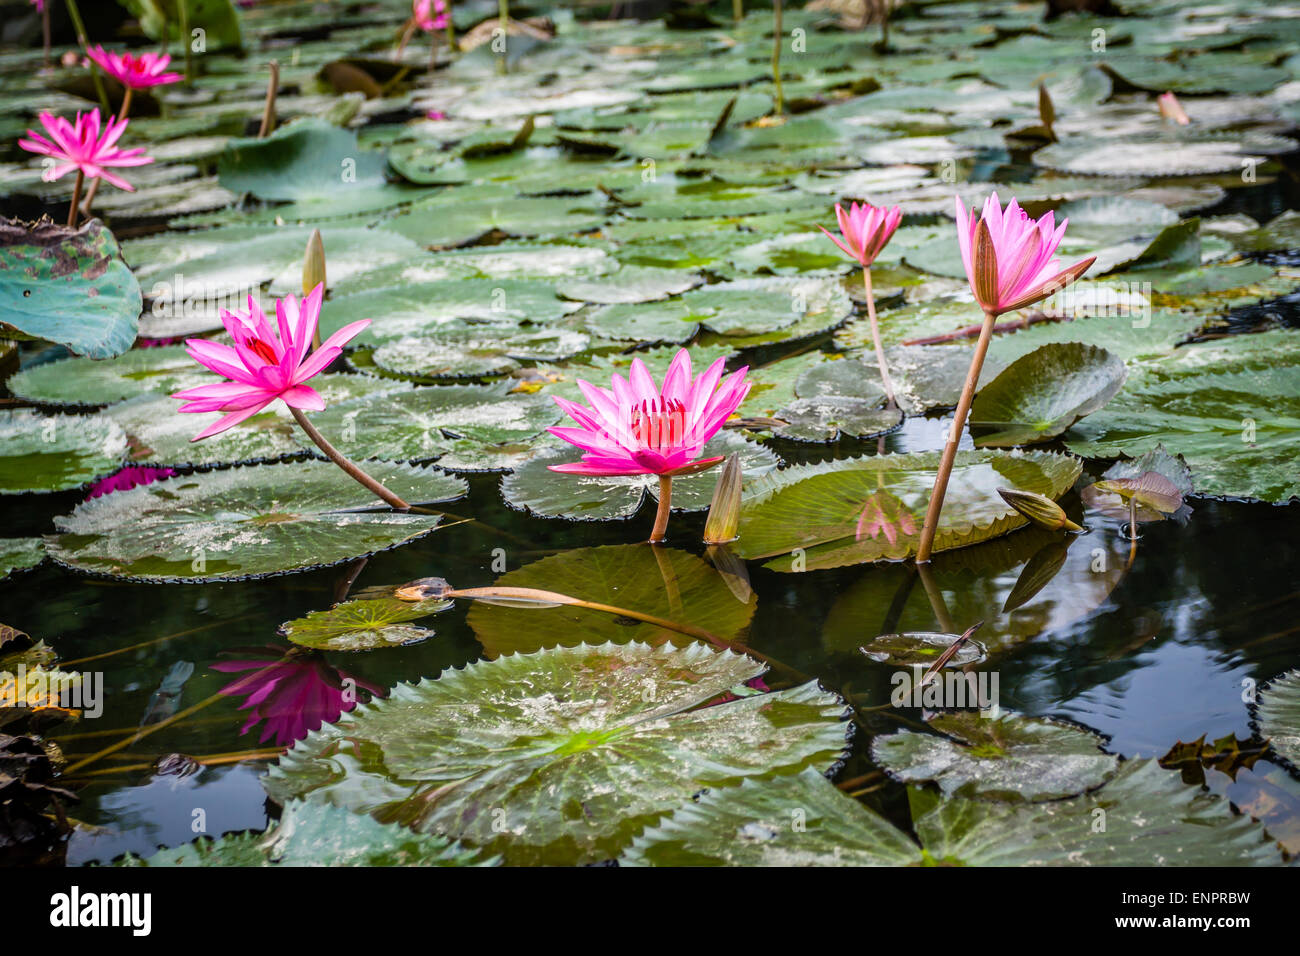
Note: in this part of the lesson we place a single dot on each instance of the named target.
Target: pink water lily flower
(139, 72)
(80, 146)
(266, 362)
(425, 18)
(866, 229)
(639, 428)
(1009, 256)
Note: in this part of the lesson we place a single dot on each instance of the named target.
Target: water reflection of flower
(291, 691)
(884, 513)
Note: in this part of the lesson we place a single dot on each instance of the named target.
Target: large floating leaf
(318, 835)
(245, 522)
(17, 554)
(1278, 715)
(1149, 817)
(1008, 757)
(55, 452)
(535, 488)
(363, 624)
(309, 159)
(1160, 156)
(83, 381)
(423, 423)
(663, 583)
(791, 821)
(477, 351)
(1041, 395)
(1231, 408)
(162, 19)
(68, 286)
(819, 508)
(564, 755)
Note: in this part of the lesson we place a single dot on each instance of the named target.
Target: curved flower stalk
(291, 692)
(81, 146)
(269, 363)
(1010, 263)
(867, 229)
(429, 16)
(639, 428)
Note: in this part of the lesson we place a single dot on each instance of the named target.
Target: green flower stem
(776, 56)
(658, 534)
(503, 21)
(339, 459)
(954, 437)
(268, 108)
(875, 337)
(94, 183)
(76, 198)
(79, 26)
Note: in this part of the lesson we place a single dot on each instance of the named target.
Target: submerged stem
(954, 438)
(776, 56)
(875, 337)
(657, 534)
(342, 461)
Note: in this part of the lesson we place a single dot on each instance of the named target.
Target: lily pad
(562, 756)
(363, 625)
(68, 286)
(246, 522)
(662, 583)
(477, 351)
(318, 835)
(818, 509)
(90, 382)
(18, 554)
(1278, 715)
(1008, 757)
(1041, 395)
(308, 159)
(44, 453)
(922, 648)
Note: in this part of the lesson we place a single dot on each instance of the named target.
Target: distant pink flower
(265, 363)
(39, 5)
(80, 146)
(1015, 268)
(435, 115)
(866, 230)
(1171, 109)
(423, 12)
(639, 428)
(139, 72)
(292, 692)
(132, 476)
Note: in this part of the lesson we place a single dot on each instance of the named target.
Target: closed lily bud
(313, 263)
(1171, 109)
(723, 521)
(1039, 509)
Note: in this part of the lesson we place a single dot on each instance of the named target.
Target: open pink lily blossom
(640, 428)
(1014, 266)
(866, 229)
(266, 362)
(81, 146)
(137, 71)
(425, 17)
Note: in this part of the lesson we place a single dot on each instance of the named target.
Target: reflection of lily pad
(245, 522)
(1008, 757)
(564, 755)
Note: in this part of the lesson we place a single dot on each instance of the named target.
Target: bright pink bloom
(639, 428)
(425, 19)
(132, 476)
(80, 146)
(866, 228)
(1014, 268)
(292, 691)
(138, 72)
(266, 363)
